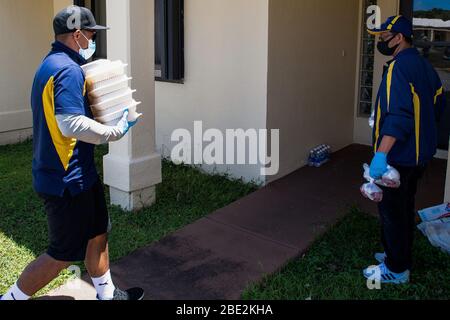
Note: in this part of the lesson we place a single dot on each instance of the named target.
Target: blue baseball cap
(75, 18)
(396, 24)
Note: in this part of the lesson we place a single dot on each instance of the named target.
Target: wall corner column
(132, 168)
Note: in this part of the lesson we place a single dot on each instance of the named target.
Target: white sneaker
(382, 274)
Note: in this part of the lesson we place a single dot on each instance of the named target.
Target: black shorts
(74, 221)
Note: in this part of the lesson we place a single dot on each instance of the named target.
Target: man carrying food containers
(64, 172)
(408, 107)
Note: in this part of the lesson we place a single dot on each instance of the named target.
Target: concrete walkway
(218, 256)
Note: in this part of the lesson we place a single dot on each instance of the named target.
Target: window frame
(365, 38)
(169, 41)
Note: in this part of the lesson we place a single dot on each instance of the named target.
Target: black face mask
(383, 47)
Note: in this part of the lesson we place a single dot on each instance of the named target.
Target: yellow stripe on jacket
(377, 125)
(438, 93)
(389, 84)
(417, 111)
(64, 146)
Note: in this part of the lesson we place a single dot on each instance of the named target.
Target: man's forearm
(387, 143)
(87, 130)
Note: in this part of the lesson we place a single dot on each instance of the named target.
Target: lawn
(332, 268)
(185, 196)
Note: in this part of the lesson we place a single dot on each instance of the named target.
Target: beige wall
(26, 36)
(311, 81)
(226, 73)
(58, 5)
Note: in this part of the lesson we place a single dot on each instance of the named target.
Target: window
(366, 66)
(169, 40)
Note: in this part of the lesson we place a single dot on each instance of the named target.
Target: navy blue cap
(75, 18)
(396, 24)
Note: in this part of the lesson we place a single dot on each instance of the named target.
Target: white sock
(104, 286)
(15, 294)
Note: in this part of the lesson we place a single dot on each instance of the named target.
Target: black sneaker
(134, 294)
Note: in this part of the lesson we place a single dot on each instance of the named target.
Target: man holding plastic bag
(409, 105)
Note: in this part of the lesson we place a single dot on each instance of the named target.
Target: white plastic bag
(439, 212)
(391, 179)
(372, 191)
(438, 233)
(372, 119)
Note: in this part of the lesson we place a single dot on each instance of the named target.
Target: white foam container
(91, 86)
(131, 105)
(122, 96)
(105, 72)
(109, 118)
(111, 96)
(109, 86)
(91, 67)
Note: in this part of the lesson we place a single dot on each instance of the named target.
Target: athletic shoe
(384, 275)
(134, 294)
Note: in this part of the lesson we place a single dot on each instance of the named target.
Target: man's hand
(379, 165)
(124, 124)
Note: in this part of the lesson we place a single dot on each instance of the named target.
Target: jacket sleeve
(69, 86)
(399, 119)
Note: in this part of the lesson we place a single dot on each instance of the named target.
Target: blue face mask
(89, 52)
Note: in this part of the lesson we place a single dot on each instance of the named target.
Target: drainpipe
(132, 168)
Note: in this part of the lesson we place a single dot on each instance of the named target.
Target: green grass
(185, 196)
(332, 268)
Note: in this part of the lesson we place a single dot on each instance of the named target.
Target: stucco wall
(58, 5)
(311, 77)
(26, 36)
(226, 74)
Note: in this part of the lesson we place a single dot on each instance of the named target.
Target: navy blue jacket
(409, 105)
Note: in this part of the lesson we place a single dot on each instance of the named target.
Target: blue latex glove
(124, 124)
(379, 166)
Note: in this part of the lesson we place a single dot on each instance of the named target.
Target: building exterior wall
(24, 46)
(58, 5)
(226, 74)
(132, 168)
(311, 76)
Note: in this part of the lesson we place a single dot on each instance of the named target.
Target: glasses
(93, 37)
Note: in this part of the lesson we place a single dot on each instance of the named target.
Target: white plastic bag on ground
(438, 233)
(435, 213)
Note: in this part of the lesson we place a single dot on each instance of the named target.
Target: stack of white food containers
(109, 92)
